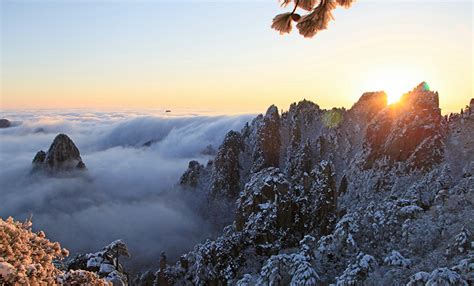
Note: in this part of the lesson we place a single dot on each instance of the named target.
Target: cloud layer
(129, 190)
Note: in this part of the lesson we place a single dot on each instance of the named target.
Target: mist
(129, 191)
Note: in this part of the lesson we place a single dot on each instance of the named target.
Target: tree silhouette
(308, 25)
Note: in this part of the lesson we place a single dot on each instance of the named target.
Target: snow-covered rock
(225, 177)
(191, 176)
(104, 263)
(410, 131)
(361, 183)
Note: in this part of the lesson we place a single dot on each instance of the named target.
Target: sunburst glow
(393, 98)
(394, 93)
(395, 81)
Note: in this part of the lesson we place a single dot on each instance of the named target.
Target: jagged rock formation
(411, 131)
(265, 188)
(375, 195)
(369, 105)
(191, 177)
(209, 151)
(267, 147)
(225, 177)
(104, 263)
(5, 123)
(62, 155)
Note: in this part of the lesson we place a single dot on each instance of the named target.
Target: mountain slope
(375, 194)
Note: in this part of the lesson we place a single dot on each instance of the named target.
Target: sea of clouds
(129, 190)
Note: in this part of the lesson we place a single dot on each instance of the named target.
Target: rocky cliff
(62, 155)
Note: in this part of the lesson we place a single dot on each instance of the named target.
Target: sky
(223, 56)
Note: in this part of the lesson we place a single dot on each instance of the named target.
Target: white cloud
(128, 191)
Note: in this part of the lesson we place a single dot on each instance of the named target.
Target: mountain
(377, 194)
(5, 123)
(62, 155)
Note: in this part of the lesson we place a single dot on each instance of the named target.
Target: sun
(392, 79)
(393, 96)
(395, 86)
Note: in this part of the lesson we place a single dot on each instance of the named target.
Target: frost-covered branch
(318, 17)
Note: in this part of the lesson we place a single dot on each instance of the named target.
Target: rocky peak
(272, 112)
(410, 130)
(62, 155)
(232, 139)
(370, 103)
(421, 98)
(62, 150)
(304, 106)
(208, 151)
(191, 176)
(304, 112)
(5, 123)
(39, 157)
(267, 151)
(225, 178)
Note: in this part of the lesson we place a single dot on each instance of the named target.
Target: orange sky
(138, 55)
